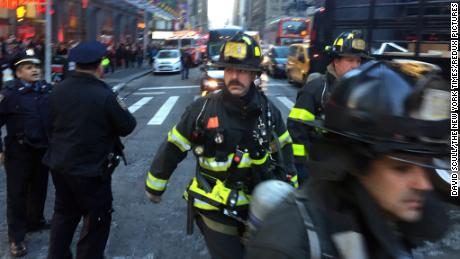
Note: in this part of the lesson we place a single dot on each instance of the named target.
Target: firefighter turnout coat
(237, 143)
(308, 107)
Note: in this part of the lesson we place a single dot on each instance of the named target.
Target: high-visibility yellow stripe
(211, 164)
(105, 62)
(299, 150)
(219, 194)
(260, 161)
(247, 40)
(156, 184)
(256, 51)
(179, 140)
(301, 114)
(295, 181)
(285, 139)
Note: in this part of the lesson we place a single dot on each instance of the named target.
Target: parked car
(167, 61)
(298, 63)
(212, 79)
(276, 61)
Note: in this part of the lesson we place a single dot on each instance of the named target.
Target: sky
(219, 11)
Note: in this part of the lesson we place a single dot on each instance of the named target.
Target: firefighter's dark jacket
(346, 220)
(24, 108)
(88, 119)
(237, 119)
(308, 106)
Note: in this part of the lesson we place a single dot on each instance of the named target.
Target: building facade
(77, 20)
(198, 15)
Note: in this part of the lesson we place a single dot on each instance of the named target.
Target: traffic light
(21, 13)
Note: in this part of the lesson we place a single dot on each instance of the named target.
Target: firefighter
(347, 52)
(387, 134)
(24, 109)
(88, 120)
(238, 138)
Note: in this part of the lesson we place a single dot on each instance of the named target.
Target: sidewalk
(121, 77)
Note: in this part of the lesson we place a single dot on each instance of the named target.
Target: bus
(216, 39)
(286, 31)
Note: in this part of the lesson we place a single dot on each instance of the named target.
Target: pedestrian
(186, 63)
(24, 109)
(88, 119)
(370, 194)
(238, 138)
(347, 52)
(139, 56)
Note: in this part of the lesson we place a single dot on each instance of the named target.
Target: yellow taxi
(298, 63)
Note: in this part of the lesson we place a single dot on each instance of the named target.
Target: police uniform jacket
(88, 119)
(334, 216)
(309, 105)
(222, 126)
(24, 108)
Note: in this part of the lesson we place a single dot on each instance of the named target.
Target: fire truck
(190, 41)
(414, 30)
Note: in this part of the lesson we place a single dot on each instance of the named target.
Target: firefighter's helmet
(349, 44)
(392, 112)
(240, 52)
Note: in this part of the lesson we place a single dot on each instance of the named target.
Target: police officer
(347, 52)
(88, 119)
(238, 138)
(24, 109)
(371, 198)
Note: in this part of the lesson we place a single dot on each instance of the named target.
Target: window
(281, 52)
(294, 27)
(168, 54)
(292, 51)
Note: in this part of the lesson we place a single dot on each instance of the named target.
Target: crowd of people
(119, 55)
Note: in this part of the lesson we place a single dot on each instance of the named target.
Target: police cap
(27, 56)
(87, 52)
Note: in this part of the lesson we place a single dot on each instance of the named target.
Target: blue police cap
(87, 52)
(26, 56)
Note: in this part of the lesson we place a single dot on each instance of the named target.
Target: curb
(120, 86)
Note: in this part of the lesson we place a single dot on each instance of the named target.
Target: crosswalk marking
(149, 93)
(139, 104)
(166, 108)
(284, 100)
(163, 112)
(169, 87)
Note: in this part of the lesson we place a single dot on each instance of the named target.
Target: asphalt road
(144, 230)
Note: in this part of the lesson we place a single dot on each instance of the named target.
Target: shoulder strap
(313, 239)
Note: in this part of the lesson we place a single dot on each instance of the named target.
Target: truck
(393, 29)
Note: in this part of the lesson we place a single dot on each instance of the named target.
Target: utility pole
(146, 32)
(48, 42)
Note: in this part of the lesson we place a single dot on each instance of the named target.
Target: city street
(141, 229)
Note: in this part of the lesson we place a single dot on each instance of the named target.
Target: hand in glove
(153, 198)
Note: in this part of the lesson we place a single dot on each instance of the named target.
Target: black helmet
(349, 44)
(241, 52)
(392, 112)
